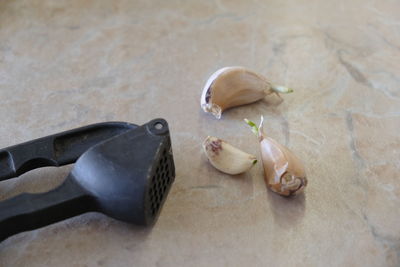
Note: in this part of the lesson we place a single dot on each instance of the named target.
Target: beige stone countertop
(65, 64)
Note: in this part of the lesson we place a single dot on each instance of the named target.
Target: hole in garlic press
(158, 126)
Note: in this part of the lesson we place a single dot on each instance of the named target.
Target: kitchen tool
(58, 149)
(126, 177)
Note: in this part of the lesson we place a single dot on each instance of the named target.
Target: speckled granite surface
(65, 64)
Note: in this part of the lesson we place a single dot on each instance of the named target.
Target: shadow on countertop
(287, 211)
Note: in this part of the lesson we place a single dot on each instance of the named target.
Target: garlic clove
(234, 86)
(227, 158)
(283, 171)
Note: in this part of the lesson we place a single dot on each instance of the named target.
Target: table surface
(65, 64)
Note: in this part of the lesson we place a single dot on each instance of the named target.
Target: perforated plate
(160, 182)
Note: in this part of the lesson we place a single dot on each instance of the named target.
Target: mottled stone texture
(65, 64)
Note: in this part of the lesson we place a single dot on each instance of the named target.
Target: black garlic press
(122, 170)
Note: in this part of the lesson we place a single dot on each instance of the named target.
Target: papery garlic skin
(234, 86)
(227, 158)
(283, 171)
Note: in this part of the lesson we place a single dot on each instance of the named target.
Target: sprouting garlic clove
(227, 158)
(234, 86)
(283, 171)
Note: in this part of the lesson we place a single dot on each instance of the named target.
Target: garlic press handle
(58, 149)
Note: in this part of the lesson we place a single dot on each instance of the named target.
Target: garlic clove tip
(281, 89)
